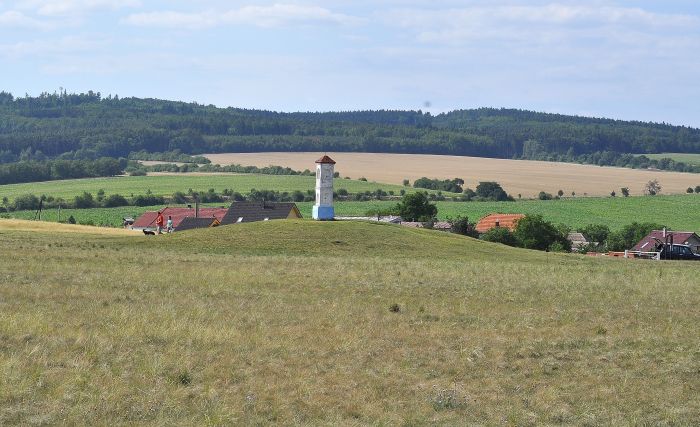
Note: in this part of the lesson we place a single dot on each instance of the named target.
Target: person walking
(160, 221)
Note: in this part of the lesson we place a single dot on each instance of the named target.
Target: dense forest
(88, 126)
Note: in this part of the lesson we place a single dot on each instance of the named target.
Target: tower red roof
(325, 159)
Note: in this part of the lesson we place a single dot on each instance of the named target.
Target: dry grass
(517, 176)
(50, 227)
(304, 328)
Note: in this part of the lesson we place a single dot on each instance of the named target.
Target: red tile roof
(325, 159)
(648, 243)
(148, 219)
(509, 221)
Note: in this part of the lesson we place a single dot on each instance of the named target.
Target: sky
(619, 59)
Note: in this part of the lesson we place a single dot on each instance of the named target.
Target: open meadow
(678, 212)
(161, 184)
(516, 176)
(250, 324)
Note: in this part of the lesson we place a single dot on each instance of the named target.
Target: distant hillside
(88, 126)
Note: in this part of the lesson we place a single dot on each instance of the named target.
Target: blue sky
(620, 59)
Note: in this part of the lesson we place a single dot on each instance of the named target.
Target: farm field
(167, 184)
(678, 212)
(691, 159)
(247, 324)
(516, 176)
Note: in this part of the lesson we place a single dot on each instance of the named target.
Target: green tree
(630, 235)
(461, 225)
(416, 207)
(652, 188)
(490, 190)
(533, 232)
(597, 233)
(84, 201)
(115, 200)
(500, 235)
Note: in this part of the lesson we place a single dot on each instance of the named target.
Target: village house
(649, 242)
(578, 241)
(238, 212)
(509, 221)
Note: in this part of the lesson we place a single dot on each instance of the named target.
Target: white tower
(323, 209)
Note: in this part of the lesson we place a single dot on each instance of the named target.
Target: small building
(191, 223)
(649, 242)
(509, 221)
(259, 211)
(323, 208)
(578, 241)
(148, 219)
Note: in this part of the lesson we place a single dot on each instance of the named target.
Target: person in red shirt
(160, 221)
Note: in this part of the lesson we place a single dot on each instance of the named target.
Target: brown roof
(509, 221)
(258, 211)
(648, 243)
(190, 223)
(148, 219)
(325, 159)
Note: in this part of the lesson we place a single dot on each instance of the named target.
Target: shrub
(84, 201)
(613, 194)
(461, 225)
(500, 235)
(689, 190)
(544, 196)
(533, 232)
(115, 200)
(490, 190)
(416, 207)
(298, 196)
(341, 192)
(180, 198)
(406, 183)
(560, 193)
(148, 200)
(26, 202)
(652, 188)
(625, 191)
(595, 233)
(138, 172)
(697, 189)
(71, 220)
(363, 179)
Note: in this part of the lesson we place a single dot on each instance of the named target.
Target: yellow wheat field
(516, 176)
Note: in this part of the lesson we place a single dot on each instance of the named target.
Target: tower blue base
(323, 213)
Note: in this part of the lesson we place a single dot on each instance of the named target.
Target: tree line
(89, 126)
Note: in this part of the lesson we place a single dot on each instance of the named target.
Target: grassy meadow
(688, 158)
(677, 212)
(247, 324)
(166, 185)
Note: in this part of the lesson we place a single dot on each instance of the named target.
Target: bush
(26, 202)
(71, 220)
(138, 172)
(630, 235)
(180, 198)
(625, 191)
(689, 190)
(545, 196)
(461, 225)
(363, 179)
(416, 207)
(84, 201)
(490, 190)
(500, 235)
(406, 183)
(298, 196)
(148, 200)
(595, 233)
(533, 232)
(697, 189)
(115, 200)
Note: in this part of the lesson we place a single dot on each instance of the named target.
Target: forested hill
(89, 126)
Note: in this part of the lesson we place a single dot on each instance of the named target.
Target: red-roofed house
(648, 243)
(148, 219)
(509, 221)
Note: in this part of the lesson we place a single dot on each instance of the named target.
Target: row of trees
(33, 171)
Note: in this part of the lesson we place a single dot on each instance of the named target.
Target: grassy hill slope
(301, 322)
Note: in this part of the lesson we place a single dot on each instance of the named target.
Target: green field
(677, 212)
(166, 185)
(299, 322)
(691, 159)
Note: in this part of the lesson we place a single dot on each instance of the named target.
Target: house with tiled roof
(509, 221)
(649, 242)
(259, 211)
(178, 215)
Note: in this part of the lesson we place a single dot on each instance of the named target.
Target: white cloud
(12, 18)
(63, 45)
(73, 7)
(548, 23)
(262, 16)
